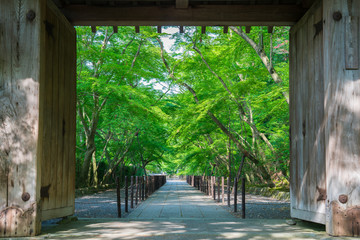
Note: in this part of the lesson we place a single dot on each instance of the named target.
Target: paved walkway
(178, 211)
(177, 199)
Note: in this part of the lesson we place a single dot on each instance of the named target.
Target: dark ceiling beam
(182, 3)
(201, 15)
(307, 3)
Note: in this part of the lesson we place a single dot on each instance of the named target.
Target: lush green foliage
(197, 109)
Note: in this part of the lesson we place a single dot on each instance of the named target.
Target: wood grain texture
(20, 75)
(307, 153)
(352, 43)
(58, 155)
(201, 15)
(342, 122)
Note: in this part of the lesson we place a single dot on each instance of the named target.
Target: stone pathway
(179, 200)
(178, 211)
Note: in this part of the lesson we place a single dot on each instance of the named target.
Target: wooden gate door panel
(58, 111)
(308, 171)
(342, 123)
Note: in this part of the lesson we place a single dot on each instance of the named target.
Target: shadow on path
(178, 211)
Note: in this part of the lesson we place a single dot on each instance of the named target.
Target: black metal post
(126, 194)
(228, 191)
(132, 192)
(243, 197)
(137, 190)
(118, 196)
(235, 194)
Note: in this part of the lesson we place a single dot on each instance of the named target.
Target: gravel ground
(259, 207)
(103, 205)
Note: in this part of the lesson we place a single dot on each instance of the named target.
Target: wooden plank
(352, 43)
(5, 102)
(72, 116)
(21, 118)
(137, 29)
(182, 4)
(270, 29)
(292, 116)
(53, 32)
(202, 15)
(311, 115)
(46, 96)
(63, 164)
(67, 119)
(93, 29)
(55, 213)
(159, 29)
(341, 123)
(319, 164)
(304, 161)
(226, 29)
(308, 216)
(115, 29)
(299, 125)
(248, 29)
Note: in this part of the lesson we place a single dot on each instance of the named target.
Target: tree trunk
(94, 168)
(90, 149)
(247, 154)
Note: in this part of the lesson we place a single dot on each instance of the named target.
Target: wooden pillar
(342, 116)
(21, 72)
(325, 116)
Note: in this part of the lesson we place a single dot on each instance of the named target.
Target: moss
(277, 193)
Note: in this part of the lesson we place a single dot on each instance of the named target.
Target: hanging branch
(261, 53)
(239, 105)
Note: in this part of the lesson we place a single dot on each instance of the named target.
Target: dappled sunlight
(178, 212)
(191, 229)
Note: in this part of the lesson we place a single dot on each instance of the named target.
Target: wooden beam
(182, 3)
(93, 29)
(181, 29)
(307, 3)
(159, 29)
(270, 29)
(137, 29)
(248, 29)
(201, 15)
(226, 29)
(115, 28)
(203, 29)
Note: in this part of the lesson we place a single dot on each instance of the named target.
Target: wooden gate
(58, 116)
(37, 116)
(325, 116)
(308, 175)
